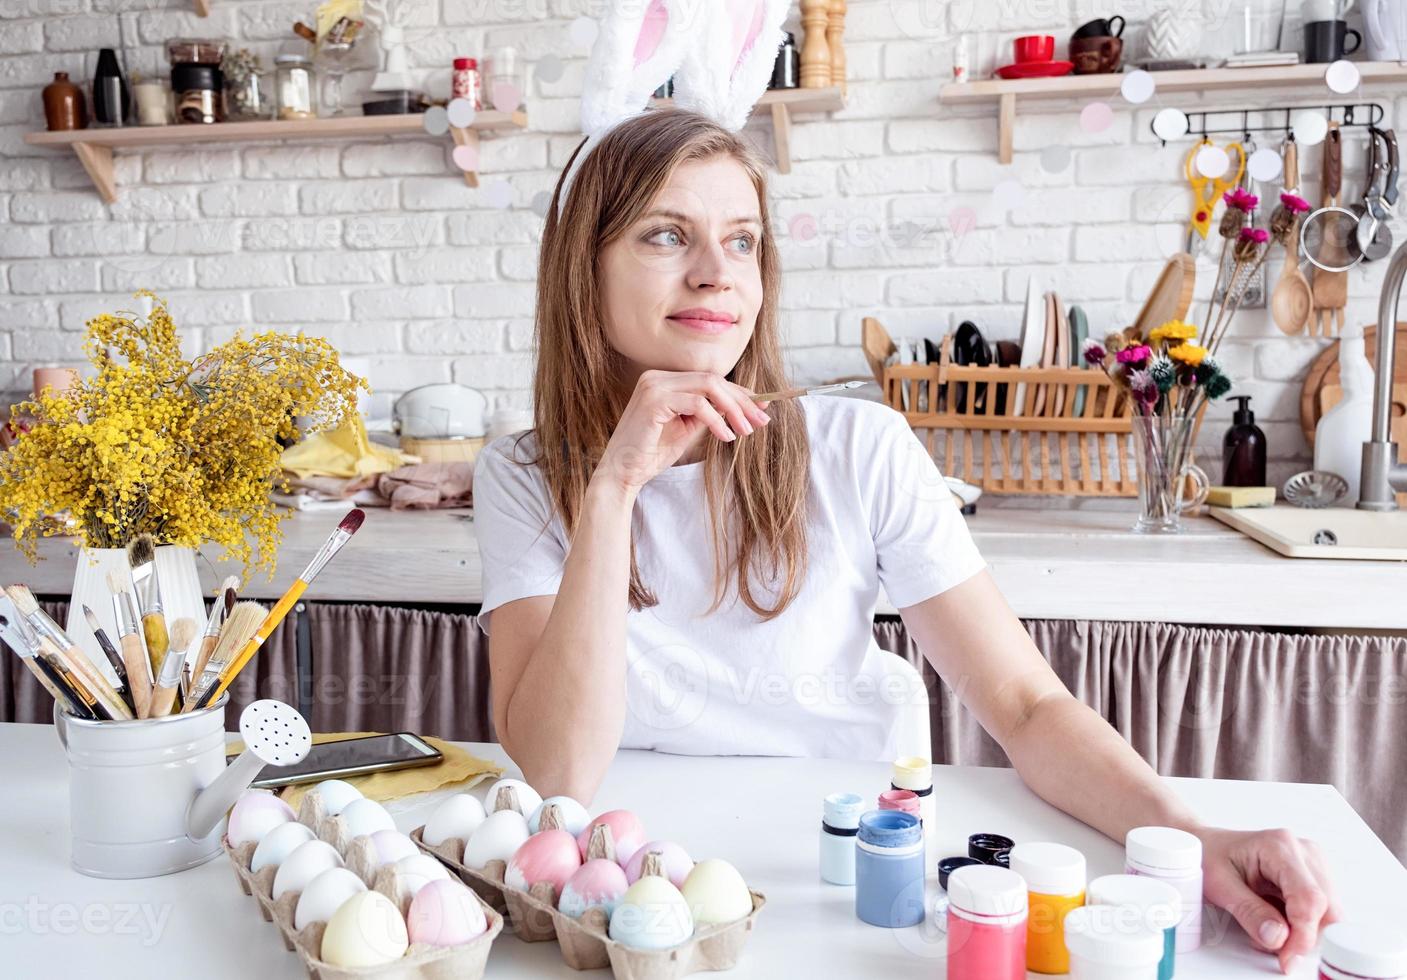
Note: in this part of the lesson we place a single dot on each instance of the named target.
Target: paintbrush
(771, 396)
(14, 635)
(69, 654)
(163, 695)
(129, 635)
(141, 555)
(113, 657)
(335, 542)
(219, 609)
(66, 678)
(236, 631)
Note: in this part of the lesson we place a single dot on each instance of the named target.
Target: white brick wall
(384, 250)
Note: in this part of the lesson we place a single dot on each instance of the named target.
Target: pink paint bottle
(1354, 951)
(986, 924)
(905, 800)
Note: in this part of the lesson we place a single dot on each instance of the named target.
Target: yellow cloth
(457, 766)
(341, 452)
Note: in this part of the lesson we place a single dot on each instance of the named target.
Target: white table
(761, 814)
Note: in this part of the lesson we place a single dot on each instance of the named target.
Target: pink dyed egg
(597, 882)
(549, 855)
(627, 832)
(445, 913)
(675, 860)
(255, 813)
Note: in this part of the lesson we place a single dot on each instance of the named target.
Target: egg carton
(586, 942)
(420, 962)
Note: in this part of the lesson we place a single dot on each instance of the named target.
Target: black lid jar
(199, 93)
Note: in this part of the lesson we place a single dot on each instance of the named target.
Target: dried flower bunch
(1249, 247)
(1166, 374)
(186, 451)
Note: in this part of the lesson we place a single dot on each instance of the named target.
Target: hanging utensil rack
(1346, 114)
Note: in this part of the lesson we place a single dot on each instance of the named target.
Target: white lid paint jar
(986, 924)
(1148, 900)
(1055, 881)
(1356, 951)
(1107, 946)
(840, 822)
(1173, 856)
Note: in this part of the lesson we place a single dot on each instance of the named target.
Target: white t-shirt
(809, 682)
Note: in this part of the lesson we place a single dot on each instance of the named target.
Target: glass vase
(1169, 482)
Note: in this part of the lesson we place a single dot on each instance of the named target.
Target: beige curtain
(1231, 704)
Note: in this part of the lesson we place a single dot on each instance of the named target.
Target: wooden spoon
(1331, 288)
(1292, 300)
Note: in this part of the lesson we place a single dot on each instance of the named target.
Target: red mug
(1034, 47)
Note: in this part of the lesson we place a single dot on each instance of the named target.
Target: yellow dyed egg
(366, 930)
(716, 893)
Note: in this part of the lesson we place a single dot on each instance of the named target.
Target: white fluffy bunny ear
(638, 47)
(727, 69)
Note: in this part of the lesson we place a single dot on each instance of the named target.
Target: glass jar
(199, 93)
(153, 98)
(502, 88)
(246, 96)
(194, 51)
(297, 87)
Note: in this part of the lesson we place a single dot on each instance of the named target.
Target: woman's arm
(1076, 761)
(557, 663)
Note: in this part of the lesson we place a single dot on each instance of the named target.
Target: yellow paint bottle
(1055, 881)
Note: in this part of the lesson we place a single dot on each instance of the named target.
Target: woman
(725, 554)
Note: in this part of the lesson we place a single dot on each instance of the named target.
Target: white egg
(335, 794)
(368, 930)
(417, 871)
(254, 814)
(306, 862)
(325, 895)
(528, 798)
(498, 837)
(459, 816)
(574, 815)
(365, 817)
(278, 844)
(389, 846)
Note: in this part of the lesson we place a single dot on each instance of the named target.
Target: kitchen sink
(1330, 532)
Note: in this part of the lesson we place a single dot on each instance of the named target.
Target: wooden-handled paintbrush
(219, 612)
(141, 555)
(68, 653)
(163, 695)
(129, 636)
(114, 658)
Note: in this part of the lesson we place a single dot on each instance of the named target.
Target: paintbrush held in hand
(163, 695)
(129, 637)
(335, 542)
(141, 555)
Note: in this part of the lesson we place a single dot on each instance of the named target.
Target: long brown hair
(756, 487)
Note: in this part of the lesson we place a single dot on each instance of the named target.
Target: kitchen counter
(1050, 565)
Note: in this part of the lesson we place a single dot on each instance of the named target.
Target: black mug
(1101, 28)
(1324, 41)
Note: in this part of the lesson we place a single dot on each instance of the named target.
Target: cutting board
(1171, 295)
(1324, 374)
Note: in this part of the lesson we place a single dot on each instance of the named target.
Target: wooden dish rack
(1061, 430)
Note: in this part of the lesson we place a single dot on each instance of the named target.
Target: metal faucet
(1382, 474)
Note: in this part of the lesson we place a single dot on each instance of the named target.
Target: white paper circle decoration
(436, 121)
(1264, 165)
(1309, 126)
(1212, 161)
(1170, 124)
(460, 113)
(1137, 86)
(1341, 76)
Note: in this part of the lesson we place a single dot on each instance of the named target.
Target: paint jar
(840, 820)
(1153, 902)
(1055, 879)
(915, 774)
(986, 847)
(1356, 951)
(1174, 856)
(1105, 946)
(986, 924)
(906, 801)
(889, 869)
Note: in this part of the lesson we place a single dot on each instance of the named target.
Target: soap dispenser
(1243, 450)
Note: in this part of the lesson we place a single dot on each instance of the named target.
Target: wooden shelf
(1006, 92)
(94, 146)
(781, 103)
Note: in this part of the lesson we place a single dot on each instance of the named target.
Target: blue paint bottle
(889, 869)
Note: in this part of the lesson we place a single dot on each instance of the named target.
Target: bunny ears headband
(719, 52)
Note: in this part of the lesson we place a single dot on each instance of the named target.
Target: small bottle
(1174, 856)
(1152, 902)
(1341, 432)
(889, 869)
(1352, 951)
(786, 70)
(915, 773)
(1243, 449)
(840, 820)
(111, 100)
(1104, 945)
(986, 924)
(962, 60)
(903, 800)
(1055, 878)
(465, 82)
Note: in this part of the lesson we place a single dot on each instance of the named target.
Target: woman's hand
(665, 415)
(1275, 884)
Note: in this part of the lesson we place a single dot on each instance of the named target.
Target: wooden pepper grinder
(815, 52)
(835, 29)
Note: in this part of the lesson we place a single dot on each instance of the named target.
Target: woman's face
(682, 286)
